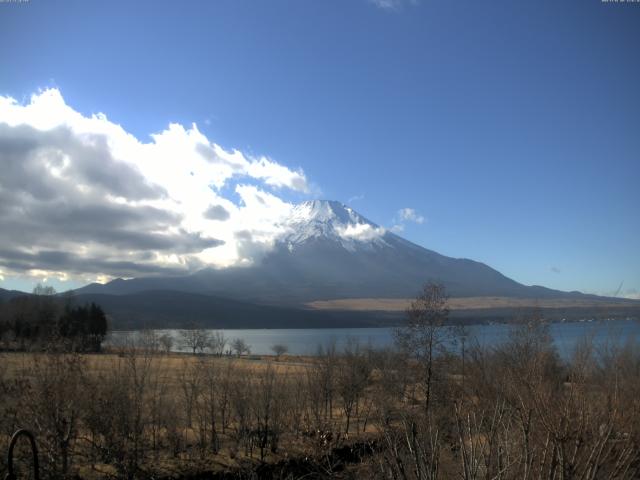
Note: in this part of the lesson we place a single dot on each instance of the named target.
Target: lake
(306, 341)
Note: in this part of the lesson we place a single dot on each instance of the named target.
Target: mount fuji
(332, 267)
(328, 251)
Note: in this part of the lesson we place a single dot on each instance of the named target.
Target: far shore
(470, 303)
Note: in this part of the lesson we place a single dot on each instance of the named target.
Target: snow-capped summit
(333, 221)
(329, 251)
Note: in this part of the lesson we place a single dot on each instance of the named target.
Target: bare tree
(326, 377)
(209, 401)
(190, 380)
(279, 349)
(195, 339)
(166, 342)
(267, 410)
(240, 402)
(353, 374)
(54, 405)
(218, 343)
(44, 290)
(423, 333)
(240, 347)
(159, 405)
(149, 341)
(226, 386)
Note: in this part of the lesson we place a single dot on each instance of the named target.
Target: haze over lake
(306, 341)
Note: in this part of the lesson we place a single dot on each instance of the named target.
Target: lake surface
(306, 341)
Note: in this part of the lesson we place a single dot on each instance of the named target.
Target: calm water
(307, 341)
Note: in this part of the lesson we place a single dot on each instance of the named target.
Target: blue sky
(513, 128)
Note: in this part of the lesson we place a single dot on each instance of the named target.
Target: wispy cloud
(393, 5)
(410, 215)
(404, 216)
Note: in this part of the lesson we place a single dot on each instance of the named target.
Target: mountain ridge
(175, 309)
(329, 251)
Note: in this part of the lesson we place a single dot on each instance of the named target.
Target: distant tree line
(44, 317)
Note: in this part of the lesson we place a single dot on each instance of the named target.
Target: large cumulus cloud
(80, 196)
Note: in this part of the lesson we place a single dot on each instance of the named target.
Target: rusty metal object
(34, 450)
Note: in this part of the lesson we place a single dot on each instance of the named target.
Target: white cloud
(277, 175)
(403, 216)
(410, 215)
(91, 200)
(228, 164)
(361, 231)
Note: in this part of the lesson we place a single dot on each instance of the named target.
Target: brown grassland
(514, 411)
(142, 413)
(468, 303)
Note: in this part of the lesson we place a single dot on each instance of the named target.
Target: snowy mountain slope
(329, 251)
(332, 221)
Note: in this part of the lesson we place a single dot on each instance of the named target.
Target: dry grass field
(466, 303)
(511, 412)
(170, 404)
(170, 366)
